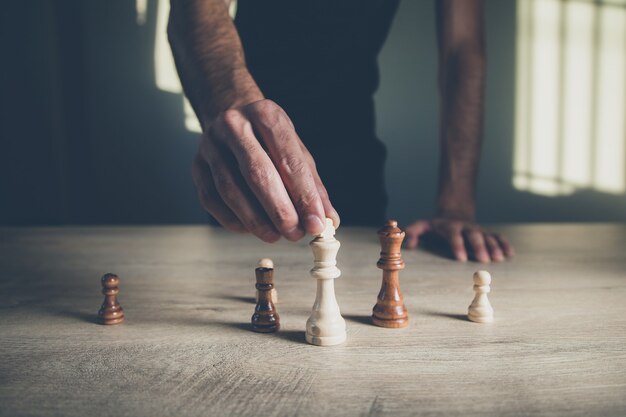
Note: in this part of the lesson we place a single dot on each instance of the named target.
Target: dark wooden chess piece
(111, 311)
(389, 310)
(265, 318)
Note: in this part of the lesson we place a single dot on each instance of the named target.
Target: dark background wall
(86, 137)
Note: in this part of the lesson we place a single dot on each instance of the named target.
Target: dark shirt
(318, 61)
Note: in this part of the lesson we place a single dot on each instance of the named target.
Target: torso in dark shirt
(318, 60)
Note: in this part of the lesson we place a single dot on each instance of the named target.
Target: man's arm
(461, 88)
(462, 62)
(252, 172)
(209, 57)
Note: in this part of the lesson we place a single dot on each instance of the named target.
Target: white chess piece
(267, 263)
(480, 310)
(325, 326)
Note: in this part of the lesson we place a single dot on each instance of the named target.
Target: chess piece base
(480, 319)
(391, 324)
(265, 328)
(325, 340)
(108, 321)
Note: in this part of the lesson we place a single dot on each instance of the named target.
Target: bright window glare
(164, 68)
(570, 130)
(610, 129)
(141, 6)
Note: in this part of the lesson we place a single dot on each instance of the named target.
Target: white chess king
(325, 326)
(480, 310)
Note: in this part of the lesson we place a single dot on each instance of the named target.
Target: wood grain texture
(557, 345)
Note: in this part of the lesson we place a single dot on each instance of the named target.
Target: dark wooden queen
(390, 310)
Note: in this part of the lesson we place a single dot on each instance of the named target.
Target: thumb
(414, 231)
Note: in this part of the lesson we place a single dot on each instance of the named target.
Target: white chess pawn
(267, 263)
(480, 310)
(325, 326)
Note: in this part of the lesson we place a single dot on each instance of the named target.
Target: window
(165, 70)
(570, 131)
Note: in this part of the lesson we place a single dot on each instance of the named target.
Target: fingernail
(313, 224)
(295, 234)
(336, 219)
(461, 257)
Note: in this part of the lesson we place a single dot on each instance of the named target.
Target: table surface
(557, 346)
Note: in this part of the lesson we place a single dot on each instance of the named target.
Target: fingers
(463, 236)
(210, 199)
(329, 210)
(254, 173)
(283, 146)
(476, 241)
(259, 174)
(233, 192)
(457, 244)
(509, 252)
(494, 248)
(413, 233)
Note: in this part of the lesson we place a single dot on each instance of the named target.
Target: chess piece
(480, 310)
(267, 263)
(389, 310)
(111, 311)
(265, 318)
(325, 326)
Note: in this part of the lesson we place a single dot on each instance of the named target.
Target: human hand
(253, 174)
(461, 235)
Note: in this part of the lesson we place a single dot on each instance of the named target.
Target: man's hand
(460, 236)
(253, 174)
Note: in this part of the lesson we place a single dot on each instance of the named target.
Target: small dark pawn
(265, 318)
(111, 311)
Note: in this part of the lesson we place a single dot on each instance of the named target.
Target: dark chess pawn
(265, 318)
(389, 310)
(111, 311)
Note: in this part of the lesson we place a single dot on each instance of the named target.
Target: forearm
(462, 102)
(461, 85)
(209, 57)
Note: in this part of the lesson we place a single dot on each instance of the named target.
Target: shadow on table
(240, 298)
(358, 318)
(239, 326)
(248, 300)
(462, 317)
(290, 335)
(435, 245)
(80, 315)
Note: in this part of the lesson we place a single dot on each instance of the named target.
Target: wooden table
(557, 347)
